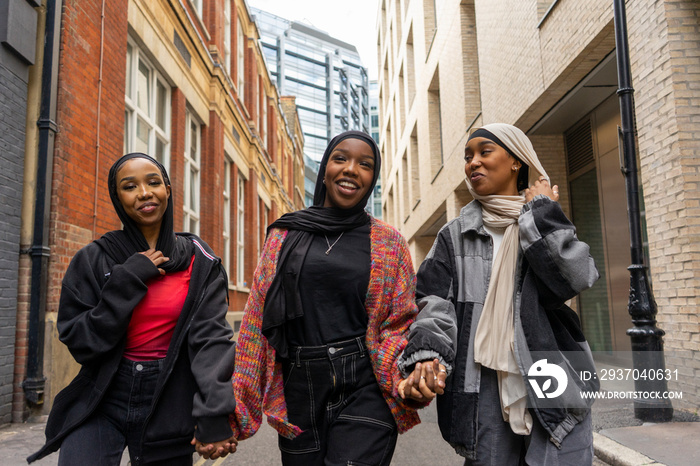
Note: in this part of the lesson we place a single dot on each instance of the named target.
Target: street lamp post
(646, 337)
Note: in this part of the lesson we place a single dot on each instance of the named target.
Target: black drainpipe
(33, 385)
(646, 337)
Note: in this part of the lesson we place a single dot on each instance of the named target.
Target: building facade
(374, 206)
(18, 36)
(185, 82)
(326, 76)
(549, 67)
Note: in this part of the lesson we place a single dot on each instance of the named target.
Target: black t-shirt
(333, 288)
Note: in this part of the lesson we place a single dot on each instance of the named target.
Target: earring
(324, 181)
(515, 169)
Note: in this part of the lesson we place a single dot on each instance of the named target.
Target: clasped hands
(215, 450)
(426, 381)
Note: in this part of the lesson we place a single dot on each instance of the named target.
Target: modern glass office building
(326, 76)
(375, 205)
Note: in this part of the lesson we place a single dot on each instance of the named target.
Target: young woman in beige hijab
(492, 295)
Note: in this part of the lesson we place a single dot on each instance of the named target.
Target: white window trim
(240, 52)
(227, 36)
(197, 4)
(133, 112)
(228, 166)
(240, 232)
(192, 212)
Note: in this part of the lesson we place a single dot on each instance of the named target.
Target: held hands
(216, 449)
(426, 381)
(541, 186)
(157, 258)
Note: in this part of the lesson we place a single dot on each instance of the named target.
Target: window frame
(192, 194)
(158, 132)
(227, 36)
(240, 231)
(226, 234)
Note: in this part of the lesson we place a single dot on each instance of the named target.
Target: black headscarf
(283, 301)
(122, 244)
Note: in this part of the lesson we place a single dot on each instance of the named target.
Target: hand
(157, 258)
(216, 449)
(426, 381)
(541, 186)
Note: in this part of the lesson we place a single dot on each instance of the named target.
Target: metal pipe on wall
(646, 337)
(33, 384)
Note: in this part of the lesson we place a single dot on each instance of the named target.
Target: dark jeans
(498, 445)
(333, 396)
(118, 421)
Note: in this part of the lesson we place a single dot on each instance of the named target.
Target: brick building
(183, 81)
(18, 26)
(549, 67)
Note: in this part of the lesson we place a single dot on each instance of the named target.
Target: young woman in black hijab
(331, 303)
(143, 311)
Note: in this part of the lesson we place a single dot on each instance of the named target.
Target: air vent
(579, 147)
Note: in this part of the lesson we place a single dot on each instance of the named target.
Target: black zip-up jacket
(553, 266)
(194, 388)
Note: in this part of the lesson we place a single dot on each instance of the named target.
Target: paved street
(419, 446)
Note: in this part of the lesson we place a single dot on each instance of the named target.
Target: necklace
(330, 246)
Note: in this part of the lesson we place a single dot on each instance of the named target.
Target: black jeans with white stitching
(333, 396)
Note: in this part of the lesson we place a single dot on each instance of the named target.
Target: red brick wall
(177, 150)
(212, 184)
(251, 83)
(251, 227)
(78, 152)
(213, 19)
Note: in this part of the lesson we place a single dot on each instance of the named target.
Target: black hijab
(122, 244)
(283, 301)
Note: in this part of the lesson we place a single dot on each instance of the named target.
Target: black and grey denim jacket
(553, 267)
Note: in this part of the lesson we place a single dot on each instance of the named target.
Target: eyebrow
(481, 144)
(345, 151)
(129, 178)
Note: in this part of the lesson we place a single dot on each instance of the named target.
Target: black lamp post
(647, 342)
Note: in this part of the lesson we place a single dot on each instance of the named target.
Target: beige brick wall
(501, 60)
(429, 94)
(664, 51)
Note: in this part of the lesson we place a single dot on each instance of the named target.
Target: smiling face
(143, 194)
(349, 173)
(490, 168)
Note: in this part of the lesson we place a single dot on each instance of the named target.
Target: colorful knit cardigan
(257, 379)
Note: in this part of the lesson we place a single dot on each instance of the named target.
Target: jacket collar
(470, 219)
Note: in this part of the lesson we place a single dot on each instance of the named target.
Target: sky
(352, 21)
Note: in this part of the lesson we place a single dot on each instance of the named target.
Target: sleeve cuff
(213, 429)
(406, 363)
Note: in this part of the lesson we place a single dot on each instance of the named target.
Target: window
(263, 118)
(197, 4)
(228, 165)
(264, 219)
(240, 70)
(146, 108)
(193, 137)
(227, 36)
(240, 233)
(435, 124)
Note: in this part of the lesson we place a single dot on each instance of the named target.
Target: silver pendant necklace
(330, 246)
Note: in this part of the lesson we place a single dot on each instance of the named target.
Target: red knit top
(154, 318)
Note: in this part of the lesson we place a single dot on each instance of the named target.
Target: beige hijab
(493, 344)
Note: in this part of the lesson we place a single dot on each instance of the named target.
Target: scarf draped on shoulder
(494, 338)
(283, 301)
(122, 244)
